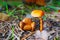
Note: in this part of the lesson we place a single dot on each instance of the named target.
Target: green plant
(57, 38)
(56, 3)
(46, 9)
(11, 13)
(12, 36)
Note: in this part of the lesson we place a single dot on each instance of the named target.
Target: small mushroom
(39, 14)
(33, 26)
(27, 20)
(40, 2)
(27, 24)
(21, 25)
(27, 27)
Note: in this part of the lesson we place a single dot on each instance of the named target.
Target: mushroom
(27, 24)
(41, 2)
(39, 14)
(21, 25)
(27, 20)
(38, 2)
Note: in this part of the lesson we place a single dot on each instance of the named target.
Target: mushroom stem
(41, 24)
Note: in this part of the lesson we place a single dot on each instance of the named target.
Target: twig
(26, 36)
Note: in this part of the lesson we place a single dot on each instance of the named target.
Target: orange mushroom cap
(27, 20)
(21, 24)
(27, 27)
(37, 13)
